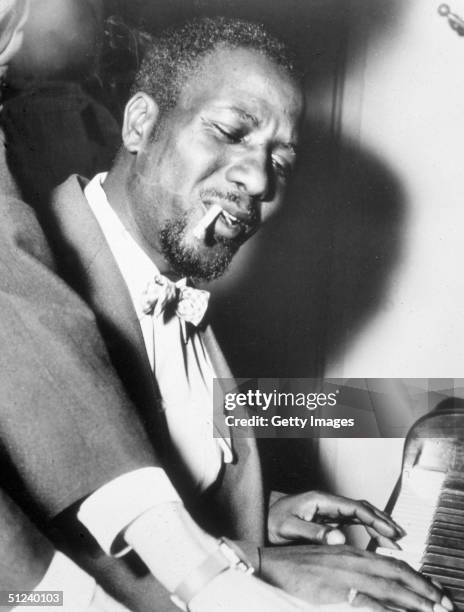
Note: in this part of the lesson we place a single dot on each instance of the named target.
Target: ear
(140, 117)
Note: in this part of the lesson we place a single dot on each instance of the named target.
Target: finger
(395, 595)
(396, 582)
(382, 540)
(368, 515)
(386, 517)
(379, 521)
(326, 506)
(295, 528)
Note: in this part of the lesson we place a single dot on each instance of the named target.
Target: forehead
(245, 79)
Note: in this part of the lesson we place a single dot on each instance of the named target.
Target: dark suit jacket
(235, 508)
(25, 552)
(62, 408)
(66, 424)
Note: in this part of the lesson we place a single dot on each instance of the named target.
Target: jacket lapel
(89, 266)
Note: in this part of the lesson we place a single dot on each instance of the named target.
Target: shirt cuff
(114, 506)
(64, 575)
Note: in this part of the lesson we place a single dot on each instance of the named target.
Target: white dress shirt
(184, 376)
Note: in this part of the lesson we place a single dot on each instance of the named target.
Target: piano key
(451, 551)
(444, 571)
(443, 560)
(446, 528)
(444, 543)
(451, 511)
(450, 498)
(448, 520)
(448, 524)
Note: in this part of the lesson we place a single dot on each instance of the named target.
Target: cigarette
(200, 228)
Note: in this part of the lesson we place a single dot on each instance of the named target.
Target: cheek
(199, 158)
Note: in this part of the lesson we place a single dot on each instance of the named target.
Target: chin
(199, 262)
(195, 263)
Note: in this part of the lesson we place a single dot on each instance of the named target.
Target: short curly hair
(173, 56)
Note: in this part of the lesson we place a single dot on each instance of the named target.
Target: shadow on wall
(314, 277)
(319, 270)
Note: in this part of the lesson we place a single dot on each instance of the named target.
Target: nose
(250, 173)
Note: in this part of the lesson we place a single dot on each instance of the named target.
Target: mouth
(226, 217)
(230, 220)
(237, 226)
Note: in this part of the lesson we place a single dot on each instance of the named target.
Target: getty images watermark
(315, 408)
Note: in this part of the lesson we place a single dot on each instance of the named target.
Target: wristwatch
(226, 556)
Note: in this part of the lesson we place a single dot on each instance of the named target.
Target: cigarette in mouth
(200, 228)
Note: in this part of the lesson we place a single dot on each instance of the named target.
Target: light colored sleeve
(111, 508)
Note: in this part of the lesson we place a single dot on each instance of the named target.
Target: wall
(403, 104)
(410, 115)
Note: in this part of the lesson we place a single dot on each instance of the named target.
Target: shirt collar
(135, 265)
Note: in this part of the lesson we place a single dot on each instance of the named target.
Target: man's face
(230, 141)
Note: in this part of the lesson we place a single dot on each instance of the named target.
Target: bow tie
(163, 296)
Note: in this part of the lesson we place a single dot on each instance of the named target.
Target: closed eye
(230, 134)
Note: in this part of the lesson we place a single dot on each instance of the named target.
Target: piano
(428, 500)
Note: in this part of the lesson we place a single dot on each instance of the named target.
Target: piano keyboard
(430, 507)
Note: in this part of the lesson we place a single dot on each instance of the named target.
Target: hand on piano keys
(315, 516)
(322, 575)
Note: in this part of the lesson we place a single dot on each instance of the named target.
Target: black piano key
(433, 536)
(447, 519)
(437, 541)
(450, 514)
(443, 560)
(446, 532)
(445, 571)
(447, 526)
(454, 487)
(447, 513)
(448, 502)
(444, 580)
(453, 483)
(445, 541)
(450, 497)
(455, 553)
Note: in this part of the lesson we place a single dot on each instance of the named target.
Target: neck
(115, 187)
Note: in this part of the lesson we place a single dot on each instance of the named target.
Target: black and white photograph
(231, 305)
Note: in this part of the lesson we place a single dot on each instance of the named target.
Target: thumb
(298, 529)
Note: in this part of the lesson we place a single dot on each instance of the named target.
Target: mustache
(228, 196)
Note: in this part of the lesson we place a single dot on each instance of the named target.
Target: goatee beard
(202, 263)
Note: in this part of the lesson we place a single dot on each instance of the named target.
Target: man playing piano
(209, 140)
